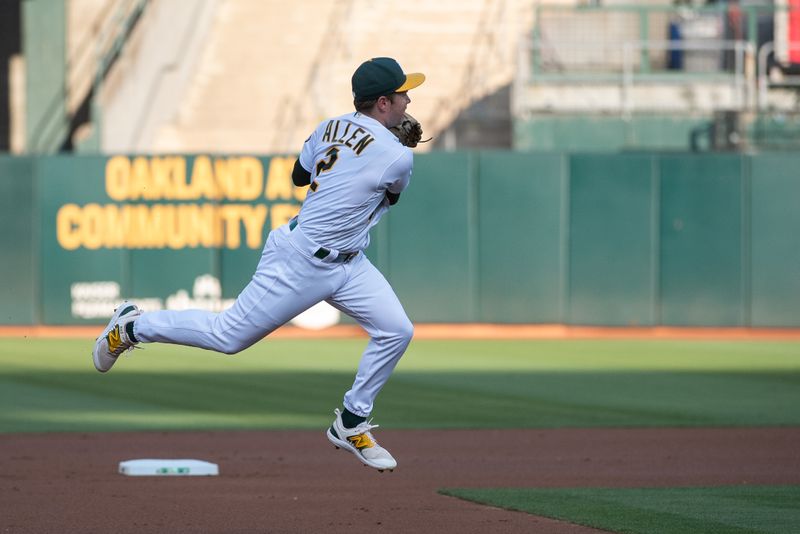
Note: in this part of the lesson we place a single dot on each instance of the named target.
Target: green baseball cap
(381, 76)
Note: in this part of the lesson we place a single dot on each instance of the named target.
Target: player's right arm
(300, 176)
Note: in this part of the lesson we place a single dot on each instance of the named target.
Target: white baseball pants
(289, 280)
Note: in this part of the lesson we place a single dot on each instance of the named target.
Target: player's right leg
(285, 283)
(115, 339)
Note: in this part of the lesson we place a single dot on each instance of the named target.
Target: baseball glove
(409, 131)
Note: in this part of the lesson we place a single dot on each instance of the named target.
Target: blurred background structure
(660, 75)
(593, 162)
(229, 76)
(247, 75)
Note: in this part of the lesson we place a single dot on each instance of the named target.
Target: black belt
(343, 257)
(323, 252)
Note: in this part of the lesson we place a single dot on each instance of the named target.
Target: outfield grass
(51, 385)
(729, 510)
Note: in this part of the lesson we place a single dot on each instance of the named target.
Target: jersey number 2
(326, 164)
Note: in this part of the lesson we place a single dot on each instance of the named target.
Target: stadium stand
(265, 72)
(232, 76)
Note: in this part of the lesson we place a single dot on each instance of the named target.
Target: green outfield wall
(642, 131)
(502, 237)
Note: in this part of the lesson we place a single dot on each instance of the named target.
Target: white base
(161, 467)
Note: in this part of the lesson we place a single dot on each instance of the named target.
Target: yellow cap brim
(413, 80)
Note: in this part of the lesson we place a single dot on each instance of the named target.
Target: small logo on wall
(317, 317)
(97, 300)
(206, 295)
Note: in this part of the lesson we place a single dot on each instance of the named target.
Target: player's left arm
(399, 175)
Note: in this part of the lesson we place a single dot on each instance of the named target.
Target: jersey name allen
(358, 140)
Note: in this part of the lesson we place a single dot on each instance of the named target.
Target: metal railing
(742, 53)
(91, 61)
(624, 67)
(620, 40)
(736, 21)
(618, 58)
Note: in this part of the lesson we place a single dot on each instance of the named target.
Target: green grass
(51, 385)
(729, 510)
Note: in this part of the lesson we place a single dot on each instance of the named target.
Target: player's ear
(383, 102)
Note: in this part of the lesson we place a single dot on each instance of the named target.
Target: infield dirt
(296, 482)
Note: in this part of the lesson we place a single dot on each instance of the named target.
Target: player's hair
(366, 105)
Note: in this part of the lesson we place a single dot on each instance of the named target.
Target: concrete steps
(271, 70)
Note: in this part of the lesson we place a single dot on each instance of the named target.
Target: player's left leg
(370, 300)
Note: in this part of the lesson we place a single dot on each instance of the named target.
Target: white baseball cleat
(359, 441)
(115, 340)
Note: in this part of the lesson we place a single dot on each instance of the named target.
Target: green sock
(351, 420)
(129, 331)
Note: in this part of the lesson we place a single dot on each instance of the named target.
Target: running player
(355, 168)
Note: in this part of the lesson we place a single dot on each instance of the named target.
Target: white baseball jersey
(353, 160)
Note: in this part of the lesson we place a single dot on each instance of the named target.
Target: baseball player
(356, 166)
